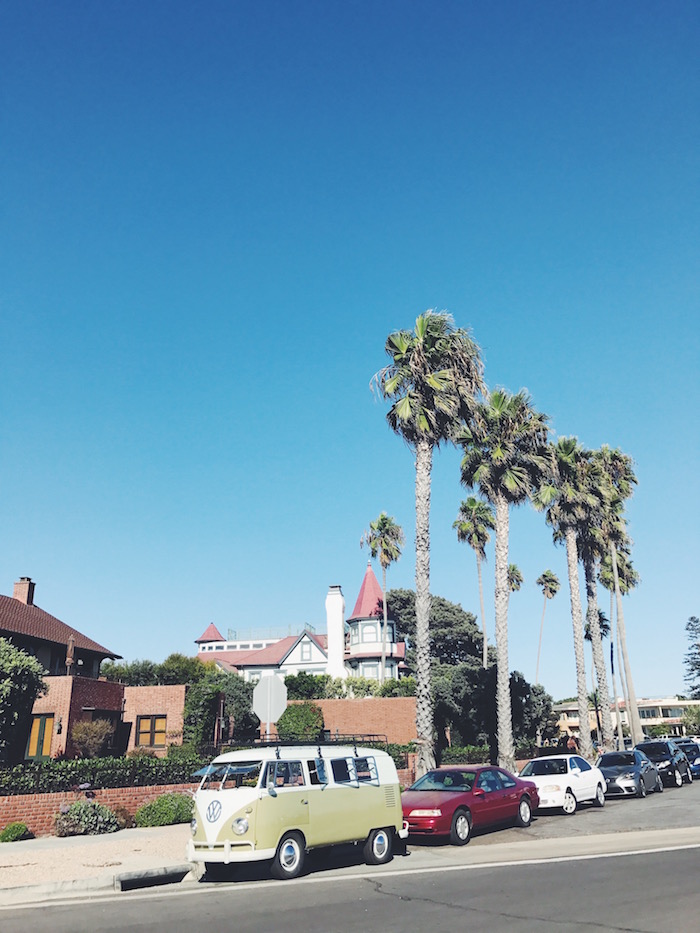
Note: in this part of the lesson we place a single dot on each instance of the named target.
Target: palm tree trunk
(584, 724)
(483, 614)
(382, 669)
(539, 644)
(613, 636)
(598, 654)
(506, 746)
(633, 712)
(424, 705)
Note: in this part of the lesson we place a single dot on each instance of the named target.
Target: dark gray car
(629, 774)
(670, 761)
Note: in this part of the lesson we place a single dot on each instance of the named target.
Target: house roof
(18, 618)
(211, 633)
(270, 656)
(369, 602)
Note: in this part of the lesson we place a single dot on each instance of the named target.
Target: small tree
(21, 682)
(91, 736)
(301, 721)
(692, 658)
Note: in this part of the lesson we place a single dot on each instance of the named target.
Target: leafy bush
(405, 687)
(90, 737)
(43, 777)
(141, 753)
(165, 810)
(125, 819)
(301, 721)
(465, 755)
(13, 832)
(85, 818)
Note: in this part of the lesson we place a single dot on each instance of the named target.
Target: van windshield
(232, 774)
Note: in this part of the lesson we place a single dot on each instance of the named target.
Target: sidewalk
(48, 867)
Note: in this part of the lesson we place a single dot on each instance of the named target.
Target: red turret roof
(369, 602)
(211, 634)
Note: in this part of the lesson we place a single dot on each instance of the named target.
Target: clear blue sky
(212, 216)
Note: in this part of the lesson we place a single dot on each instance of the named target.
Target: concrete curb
(64, 890)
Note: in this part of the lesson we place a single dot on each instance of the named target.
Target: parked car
(451, 801)
(629, 773)
(565, 781)
(670, 761)
(691, 750)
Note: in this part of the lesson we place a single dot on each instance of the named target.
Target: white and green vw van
(277, 802)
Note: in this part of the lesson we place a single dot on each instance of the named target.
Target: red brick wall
(394, 717)
(168, 701)
(38, 810)
(72, 699)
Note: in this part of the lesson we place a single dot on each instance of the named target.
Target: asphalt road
(439, 887)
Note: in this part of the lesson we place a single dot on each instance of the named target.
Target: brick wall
(168, 701)
(72, 699)
(394, 717)
(38, 810)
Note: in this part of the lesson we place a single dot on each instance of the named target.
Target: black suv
(670, 761)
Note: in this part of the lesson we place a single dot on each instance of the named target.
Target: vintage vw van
(277, 802)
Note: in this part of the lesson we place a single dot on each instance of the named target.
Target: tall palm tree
(591, 549)
(474, 520)
(384, 539)
(598, 701)
(549, 583)
(568, 496)
(619, 473)
(433, 381)
(505, 452)
(515, 578)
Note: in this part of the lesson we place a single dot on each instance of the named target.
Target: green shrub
(165, 810)
(90, 737)
(301, 721)
(13, 832)
(44, 777)
(465, 755)
(125, 819)
(85, 818)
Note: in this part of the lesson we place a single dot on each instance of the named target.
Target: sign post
(269, 700)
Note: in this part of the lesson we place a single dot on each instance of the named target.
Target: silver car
(629, 774)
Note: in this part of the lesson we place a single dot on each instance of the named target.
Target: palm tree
(549, 582)
(385, 539)
(433, 380)
(505, 457)
(568, 496)
(515, 578)
(598, 701)
(619, 473)
(474, 520)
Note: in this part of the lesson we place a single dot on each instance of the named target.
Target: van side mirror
(271, 789)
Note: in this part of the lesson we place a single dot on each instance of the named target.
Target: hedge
(44, 777)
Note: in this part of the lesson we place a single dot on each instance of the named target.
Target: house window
(370, 671)
(39, 744)
(369, 632)
(150, 731)
(354, 635)
(306, 651)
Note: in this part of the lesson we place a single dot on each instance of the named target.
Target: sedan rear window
(543, 766)
(660, 749)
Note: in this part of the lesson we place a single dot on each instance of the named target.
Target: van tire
(289, 857)
(378, 848)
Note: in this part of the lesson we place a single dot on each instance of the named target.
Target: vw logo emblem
(213, 811)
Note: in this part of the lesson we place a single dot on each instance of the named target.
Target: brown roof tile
(19, 618)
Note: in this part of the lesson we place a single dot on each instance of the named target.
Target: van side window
(366, 770)
(284, 774)
(317, 771)
(343, 770)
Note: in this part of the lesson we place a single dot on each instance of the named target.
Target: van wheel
(378, 847)
(289, 858)
(461, 828)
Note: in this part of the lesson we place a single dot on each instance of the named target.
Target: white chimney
(335, 621)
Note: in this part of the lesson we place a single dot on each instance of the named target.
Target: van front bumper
(227, 853)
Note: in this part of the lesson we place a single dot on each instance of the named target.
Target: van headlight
(240, 826)
(193, 825)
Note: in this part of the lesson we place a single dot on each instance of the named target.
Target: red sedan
(451, 801)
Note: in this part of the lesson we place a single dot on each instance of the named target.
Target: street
(563, 873)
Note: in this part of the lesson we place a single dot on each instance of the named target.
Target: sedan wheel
(642, 789)
(599, 796)
(659, 785)
(524, 817)
(570, 804)
(677, 778)
(689, 776)
(461, 828)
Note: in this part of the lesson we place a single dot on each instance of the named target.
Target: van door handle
(305, 802)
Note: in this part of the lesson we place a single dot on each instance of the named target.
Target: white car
(565, 781)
